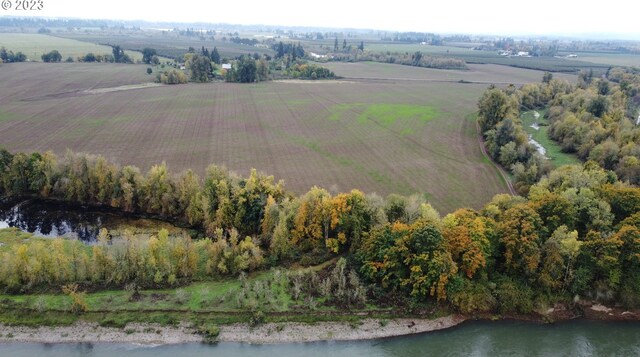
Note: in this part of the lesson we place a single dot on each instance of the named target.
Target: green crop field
(381, 135)
(34, 45)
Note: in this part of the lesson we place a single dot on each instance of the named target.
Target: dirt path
(504, 175)
(120, 88)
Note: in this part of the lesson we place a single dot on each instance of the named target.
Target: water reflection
(52, 219)
(46, 219)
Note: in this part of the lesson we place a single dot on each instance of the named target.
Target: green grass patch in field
(553, 150)
(386, 115)
(7, 116)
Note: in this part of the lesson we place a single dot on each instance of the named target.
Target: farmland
(614, 59)
(34, 45)
(335, 134)
(598, 63)
(477, 73)
(167, 44)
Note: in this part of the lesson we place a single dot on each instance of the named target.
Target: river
(476, 338)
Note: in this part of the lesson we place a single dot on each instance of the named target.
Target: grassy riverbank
(268, 296)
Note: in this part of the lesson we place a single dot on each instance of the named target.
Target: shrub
(209, 332)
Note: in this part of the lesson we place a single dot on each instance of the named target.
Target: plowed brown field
(383, 136)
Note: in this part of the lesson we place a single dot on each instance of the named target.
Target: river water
(477, 338)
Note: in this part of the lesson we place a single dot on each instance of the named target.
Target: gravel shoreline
(84, 332)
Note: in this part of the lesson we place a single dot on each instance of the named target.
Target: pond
(46, 218)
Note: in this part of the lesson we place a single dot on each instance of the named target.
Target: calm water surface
(51, 219)
(505, 338)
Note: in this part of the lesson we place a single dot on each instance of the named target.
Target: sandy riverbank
(289, 332)
(83, 332)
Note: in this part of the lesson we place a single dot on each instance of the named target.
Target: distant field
(614, 59)
(413, 47)
(477, 73)
(490, 57)
(379, 136)
(34, 45)
(168, 45)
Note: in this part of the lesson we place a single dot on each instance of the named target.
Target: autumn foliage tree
(577, 233)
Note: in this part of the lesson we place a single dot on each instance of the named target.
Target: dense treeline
(248, 69)
(309, 71)
(289, 50)
(222, 200)
(157, 261)
(52, 56)
(9, 56)
(577, 233)
(417, 59)
(172, 76)
(599, 120)
(596, 119)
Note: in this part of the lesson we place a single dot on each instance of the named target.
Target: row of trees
(415, 59)
(7, 56)
(577, 232)
(158, 261)
(292, 50)
(118, 55)
(309, 71)
(172, 76)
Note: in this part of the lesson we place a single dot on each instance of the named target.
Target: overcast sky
(444, 16)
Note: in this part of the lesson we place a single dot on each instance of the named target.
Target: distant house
(226, 66)
(315, 55)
